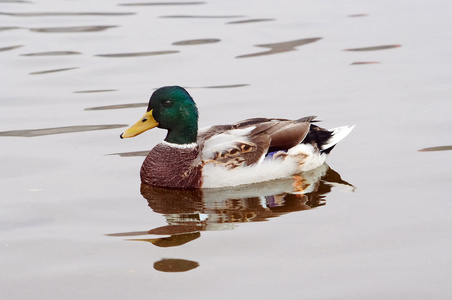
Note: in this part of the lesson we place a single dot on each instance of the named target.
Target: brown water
(75, 222)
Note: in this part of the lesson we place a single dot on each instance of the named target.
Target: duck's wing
(248, 142)
(233, 147)
(284, 134)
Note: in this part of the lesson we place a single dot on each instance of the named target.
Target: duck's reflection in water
(189, 212)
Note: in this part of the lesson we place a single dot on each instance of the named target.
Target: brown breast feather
(172, 167)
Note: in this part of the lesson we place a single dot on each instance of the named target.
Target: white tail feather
(338, 134)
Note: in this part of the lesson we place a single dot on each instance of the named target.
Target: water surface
(75, 222)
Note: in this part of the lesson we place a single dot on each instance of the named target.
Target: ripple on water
(132, 153)
(250, 21)
(160, 3)
(52, 53)
(227, 86)
(281, 47)
(3, 28)
(200, 17)
(73, 29)
(16, 1)
(136, 54)
(365, 62)
(439, 148)
(10, 48)
(52, 71)
(58, 130)
(118, 106)
(196, 42)
(66, 14)
(374, 48)
(357, 15)
(94, 91)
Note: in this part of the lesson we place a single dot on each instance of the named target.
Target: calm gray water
(76, 224)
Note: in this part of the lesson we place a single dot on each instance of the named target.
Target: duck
(247, 152)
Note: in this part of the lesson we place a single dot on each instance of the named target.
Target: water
(74, 222)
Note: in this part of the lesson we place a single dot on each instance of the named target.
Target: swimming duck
(249, 151)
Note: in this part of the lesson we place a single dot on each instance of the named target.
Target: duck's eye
(167, 103)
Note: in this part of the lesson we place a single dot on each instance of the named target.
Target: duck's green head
(171, 108)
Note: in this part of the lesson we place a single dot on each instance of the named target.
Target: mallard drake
(250, 151)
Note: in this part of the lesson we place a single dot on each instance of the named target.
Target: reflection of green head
(174, 109)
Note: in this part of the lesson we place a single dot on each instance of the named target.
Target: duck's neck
(183, 135)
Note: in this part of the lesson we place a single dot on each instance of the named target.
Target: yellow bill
(147, 122)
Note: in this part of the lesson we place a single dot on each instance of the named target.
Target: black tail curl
(319, 136)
